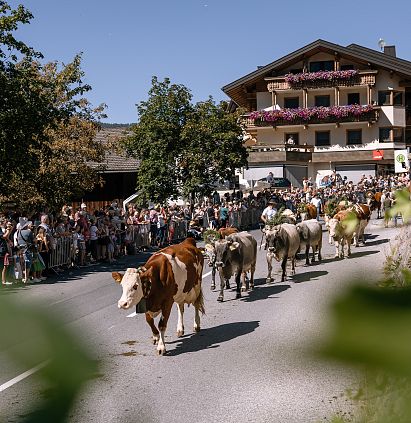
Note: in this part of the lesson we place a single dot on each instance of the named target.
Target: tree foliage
(183, 148)
(47, 128)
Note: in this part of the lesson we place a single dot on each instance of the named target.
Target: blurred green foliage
(29, 337)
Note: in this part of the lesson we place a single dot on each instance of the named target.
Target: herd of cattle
(174, 274)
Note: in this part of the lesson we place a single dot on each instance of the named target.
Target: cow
(289, 216)
(282, 243)
(311, 235)
(172, 275)
(342, 227)
(236, 255)
(309, 213)
(374, 202)
(209, 253)
(363, 213)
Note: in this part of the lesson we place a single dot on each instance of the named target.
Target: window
(327, 65)
(291, 138)
(398, 134)
(354, 136)
(397, 100)
(384, 98)
(294, 71)
(322, 138)
(322, 100)
(408, 136)
(385, 135)
(291, 102)
(347, 67)
(353, 98)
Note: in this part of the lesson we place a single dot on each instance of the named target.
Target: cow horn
(141, 269)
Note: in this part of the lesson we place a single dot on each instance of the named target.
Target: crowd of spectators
(104, 235)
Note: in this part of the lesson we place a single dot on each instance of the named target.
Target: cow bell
(141, 307)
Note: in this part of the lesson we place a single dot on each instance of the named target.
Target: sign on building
(378, 154)
(401, 161)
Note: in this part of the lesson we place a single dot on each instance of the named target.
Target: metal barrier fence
(177, 230)
(63, 253)
(242, 219)
(139, 235)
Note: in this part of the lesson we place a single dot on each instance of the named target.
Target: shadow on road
(377, 242)
(363, 253)
(307, 276)
(264, 292)
(212, 337)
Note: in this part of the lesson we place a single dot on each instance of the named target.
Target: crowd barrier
(63, 252)
(139, 235)
(177, 230)
(241, 219)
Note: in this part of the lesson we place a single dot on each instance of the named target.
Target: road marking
(135, 314)
(23, 376)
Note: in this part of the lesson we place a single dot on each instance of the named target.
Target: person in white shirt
(269, 212)
(316, 201)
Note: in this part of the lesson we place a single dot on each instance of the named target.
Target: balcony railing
(362, 78)
(310, 116)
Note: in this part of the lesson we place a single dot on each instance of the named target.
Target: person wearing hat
(269, 212)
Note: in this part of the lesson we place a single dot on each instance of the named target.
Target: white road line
(23, 376)
(135, 314)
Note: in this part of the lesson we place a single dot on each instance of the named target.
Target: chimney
(390, 50)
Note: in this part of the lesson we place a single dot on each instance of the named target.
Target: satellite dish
(381, 44)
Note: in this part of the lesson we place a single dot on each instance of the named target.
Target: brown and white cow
(342, 227)
(173, 275)
(363, 213)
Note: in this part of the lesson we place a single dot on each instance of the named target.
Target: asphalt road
(249, 363)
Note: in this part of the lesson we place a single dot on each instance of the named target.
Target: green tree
(44, 122)
(183, 148)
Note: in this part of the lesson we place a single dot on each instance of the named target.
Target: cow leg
(337, 248)
(222, 283)
(252, 277)
(319, 252)
(314, 247)
(238, 283)
(162, 325)
(284, 267)
(307, 253)
(330, 240)
(154, 330)
(270, 268)
(213, 272)
(293, 265)
(196, 320)
(180, 322)
(227, 284)
(244, 282)
(348, 247)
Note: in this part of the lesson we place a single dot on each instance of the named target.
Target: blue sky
(203, 44)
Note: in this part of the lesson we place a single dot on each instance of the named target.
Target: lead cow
(282, 243)
(236, 255)
(173, 275)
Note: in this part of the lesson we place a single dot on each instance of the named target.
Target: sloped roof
(117, 161)
(237, 89)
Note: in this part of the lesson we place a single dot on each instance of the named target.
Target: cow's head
(303, 231)
(304, 215)
(270, 234)
(209, 253)
(135, 286)
(333, 226)
(223, 249)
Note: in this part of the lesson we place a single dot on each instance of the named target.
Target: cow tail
(199, 302)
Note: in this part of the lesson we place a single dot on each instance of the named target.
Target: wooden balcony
(370, 116)
(363, 78)
(280, 153)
